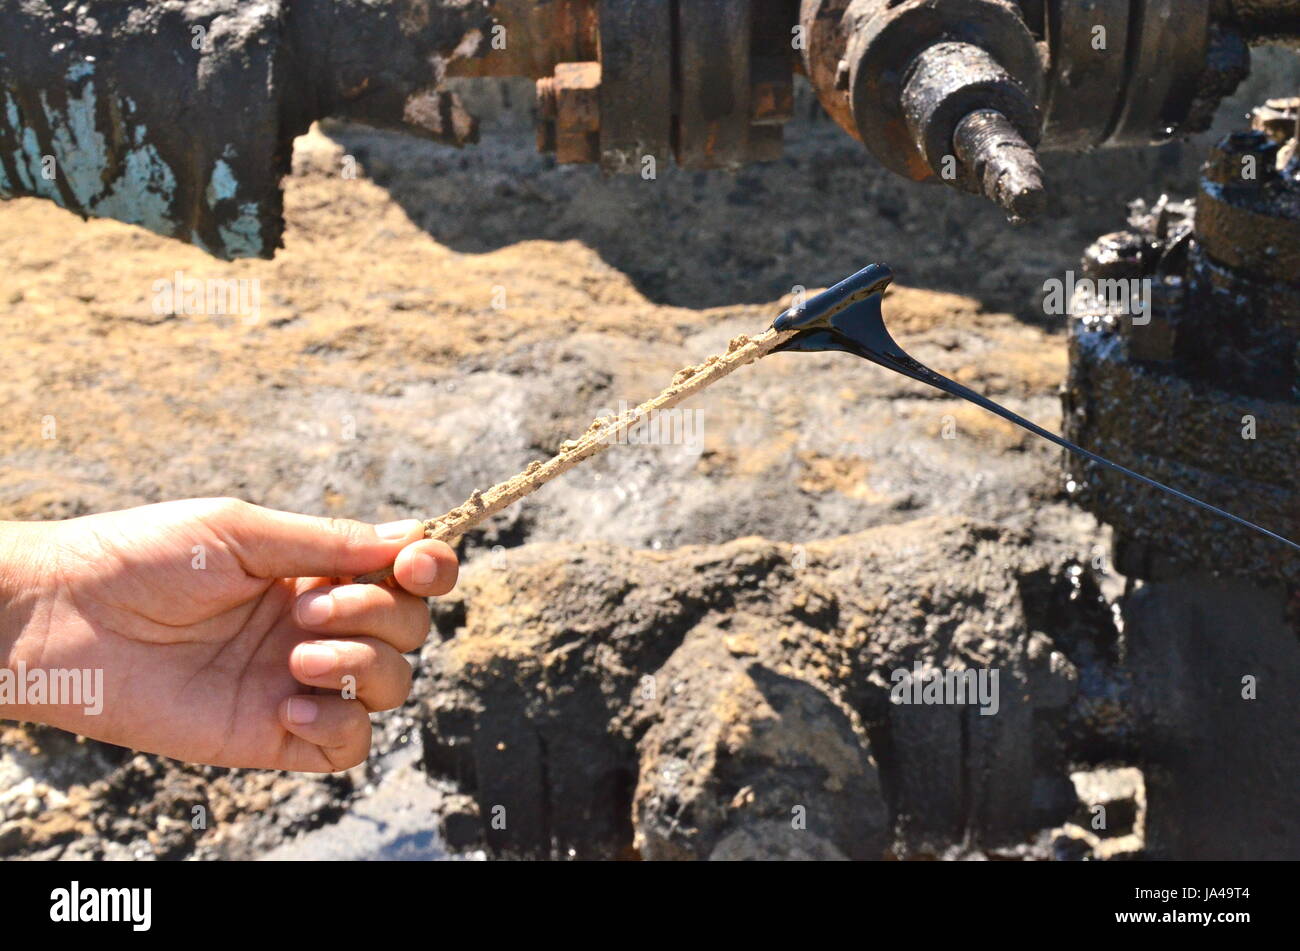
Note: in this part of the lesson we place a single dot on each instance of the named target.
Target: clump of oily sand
(449, 527)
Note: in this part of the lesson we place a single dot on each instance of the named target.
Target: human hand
(226, 632)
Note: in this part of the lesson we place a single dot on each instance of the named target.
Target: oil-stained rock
(91, 801)
(717, 701)
(745, 762)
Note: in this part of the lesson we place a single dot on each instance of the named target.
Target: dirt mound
(692, 702)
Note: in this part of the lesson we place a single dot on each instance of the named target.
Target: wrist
(22, 582)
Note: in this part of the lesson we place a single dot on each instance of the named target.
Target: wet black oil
(848, 318)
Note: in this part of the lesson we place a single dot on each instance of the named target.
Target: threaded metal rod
(1002, 165)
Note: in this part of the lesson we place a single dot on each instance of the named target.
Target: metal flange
(1087, 40)
(887, 40)
(1166, 55)
(826, 34)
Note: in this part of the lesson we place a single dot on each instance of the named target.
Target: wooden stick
(600, 434)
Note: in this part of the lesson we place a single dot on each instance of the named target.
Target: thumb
(271, 544)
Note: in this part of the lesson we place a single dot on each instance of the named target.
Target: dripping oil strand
(847, 318)
(956, 389)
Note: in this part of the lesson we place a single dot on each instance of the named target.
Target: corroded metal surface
(709, 82)
(998, 162)
(888, 38)
(569, 107)
(636, 54)
(1104, 72)
(192, 143)
(92, 118)
(826, 34)
(1135, 72)
(1203, 391)
(714, 57)
(1187, 436)
(1165, 55)
(1082, 84)
(1248, 212)
(529, 38)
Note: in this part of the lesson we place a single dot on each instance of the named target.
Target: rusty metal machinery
(965, 91)
(708, 82)
(180, 116)
(956, 91)
(1200, 388)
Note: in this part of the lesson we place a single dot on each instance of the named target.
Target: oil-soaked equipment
(181, 116)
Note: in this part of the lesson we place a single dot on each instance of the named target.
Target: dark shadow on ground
(701, 239)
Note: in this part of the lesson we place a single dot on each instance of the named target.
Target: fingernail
(391, 531)
(315, 608)
(424, 568)
(316, 660)
(302, 711)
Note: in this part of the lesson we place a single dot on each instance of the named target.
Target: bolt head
(577, 112)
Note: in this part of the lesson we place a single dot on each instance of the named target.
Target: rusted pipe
(180, 117)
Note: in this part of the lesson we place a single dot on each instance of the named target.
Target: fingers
(327, 733)
(375, 610)
(366, 668)
(271, 544)
(427, 568)
(330, 733)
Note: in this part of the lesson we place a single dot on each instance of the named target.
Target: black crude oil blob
(847, 317)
